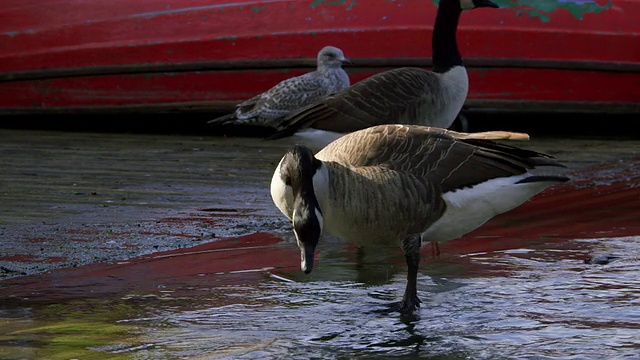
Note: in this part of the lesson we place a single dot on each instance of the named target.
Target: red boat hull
(581, 55)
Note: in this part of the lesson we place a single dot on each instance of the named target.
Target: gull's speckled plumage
(268, 108)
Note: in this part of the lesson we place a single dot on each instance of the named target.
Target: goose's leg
(435, 249)
(411, 248)
(460, 123)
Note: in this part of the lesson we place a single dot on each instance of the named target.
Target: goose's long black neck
(445, 47)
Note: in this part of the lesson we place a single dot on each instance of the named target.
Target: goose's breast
(453, 93)
(378, 210)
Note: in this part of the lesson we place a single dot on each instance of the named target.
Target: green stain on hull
(316, 3)
(543, 9)
(349, 4)
(578, 10)
(256, 9)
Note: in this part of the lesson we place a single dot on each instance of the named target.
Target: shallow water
(518, 289)
(538, 302)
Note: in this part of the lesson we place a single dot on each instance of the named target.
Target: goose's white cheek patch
(281, 193)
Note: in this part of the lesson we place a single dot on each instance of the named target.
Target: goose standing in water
(406, 95)
(405, 185)
(268, 109)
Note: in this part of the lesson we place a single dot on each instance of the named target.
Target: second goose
(406, 95)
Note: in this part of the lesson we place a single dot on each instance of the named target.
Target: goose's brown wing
(437, 155)
(394, 96)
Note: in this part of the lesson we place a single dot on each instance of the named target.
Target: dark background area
(535, 124)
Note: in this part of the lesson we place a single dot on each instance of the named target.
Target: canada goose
(402, 185)
(291, 94)
(406, 95)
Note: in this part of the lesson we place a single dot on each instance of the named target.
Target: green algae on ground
(83, 329)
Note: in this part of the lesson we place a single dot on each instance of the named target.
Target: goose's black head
(444, 44)
(297, 170)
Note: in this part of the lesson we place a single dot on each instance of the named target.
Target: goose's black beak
(345, 61)
(486, 3)
(306, 254)
(307, 234)
(307, 226)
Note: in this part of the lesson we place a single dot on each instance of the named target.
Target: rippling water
(515, 304)
(528, 304)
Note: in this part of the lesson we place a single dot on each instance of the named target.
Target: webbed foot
(409, 304)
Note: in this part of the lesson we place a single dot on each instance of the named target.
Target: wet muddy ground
(172, 239)
(69, 199)
(74, 198)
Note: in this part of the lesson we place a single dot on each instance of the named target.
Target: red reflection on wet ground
(38, 240)
(191, 220)
(595, 205)
(33, 258)
(229, 261)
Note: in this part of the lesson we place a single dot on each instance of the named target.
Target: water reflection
(542, 302)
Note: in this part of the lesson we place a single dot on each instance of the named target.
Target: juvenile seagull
(405, 185)
(268, 109)
(406, 95)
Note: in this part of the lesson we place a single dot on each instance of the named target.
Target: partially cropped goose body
(406, 95)
(268, 108)
(405, 185)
